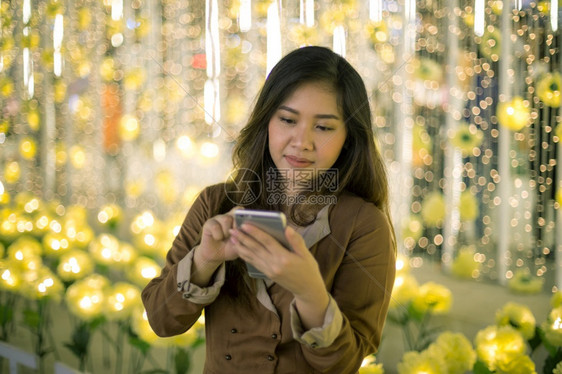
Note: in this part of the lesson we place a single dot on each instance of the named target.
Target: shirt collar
(317, 230)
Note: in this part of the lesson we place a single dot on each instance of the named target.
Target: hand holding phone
(273, 223)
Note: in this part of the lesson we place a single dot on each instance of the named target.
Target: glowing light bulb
(209, 150)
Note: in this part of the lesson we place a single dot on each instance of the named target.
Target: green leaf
(481, 368)
(182, 360)
(415, 314)
(31, 318)
(96, 322)
(551, 362)
(140, 344)
(549, 347)
(198, 342)
(6, 314)
(536, 340)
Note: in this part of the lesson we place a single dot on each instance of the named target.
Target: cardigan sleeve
(362, 288)
(169, 312)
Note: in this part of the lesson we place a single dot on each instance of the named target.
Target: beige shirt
(356, 259)
(316, 337)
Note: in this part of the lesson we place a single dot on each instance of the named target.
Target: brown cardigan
(357, 262)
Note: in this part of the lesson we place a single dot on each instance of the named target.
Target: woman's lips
(298, 162)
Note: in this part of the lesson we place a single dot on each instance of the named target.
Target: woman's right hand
(215, 247)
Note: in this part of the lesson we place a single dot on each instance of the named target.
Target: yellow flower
(40, 284)
(518, 316)
(515, 364)
(404, 290)
(134, 79)
(55, 244)
(12, 172)
(497, 6)
(402, 264)
(4, 198)
(433, 209)
(524, 282)
(369, 366)
(8, 224)
(107, 68)
(166, 186)
(143, 270)
(6, 86)
(467, 138)
(495, 344)
(422, 362)
(557, 369)
(84, 18)
(556, 300)
(468, 206)
(433, 298)
(456, 350)
(548, 89)
(490, 43)
(183, 340)
(4, 126)
(25, 254)
(33, 119)
(303, 35)
(559, 191)
(143, 27)
(468, 19)
(54, 8)
(28, 148)
(552, 327)
(412, 228)
(235, 113)
(332, 18)
(77, 214)
(121, 300)
(10, 276)
(129, 127)
(377, 32)
(79, 234)
(514, 114)
(141, 327)
(28, 202)
(464, 265)
(75, 265)
(86, 298)
(427, 69)
(105, 249)
(59, 91)
(110, 215)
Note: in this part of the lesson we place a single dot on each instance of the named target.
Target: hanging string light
(375, 10)
(245, 15)
(274, 50)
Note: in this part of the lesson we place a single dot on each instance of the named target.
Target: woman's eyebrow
(328, 116)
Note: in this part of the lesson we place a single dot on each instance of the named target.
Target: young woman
(323, 305)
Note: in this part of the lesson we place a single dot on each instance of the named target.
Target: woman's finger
(213, 229)
(295, 240)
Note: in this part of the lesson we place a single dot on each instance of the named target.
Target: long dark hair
(360, 165)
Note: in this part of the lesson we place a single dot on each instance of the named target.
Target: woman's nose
(302, 137)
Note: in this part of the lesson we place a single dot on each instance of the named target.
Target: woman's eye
(287, 120)
(323, 128)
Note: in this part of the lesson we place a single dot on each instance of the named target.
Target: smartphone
(274, 223)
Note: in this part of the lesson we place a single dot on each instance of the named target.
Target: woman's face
(306, 132)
